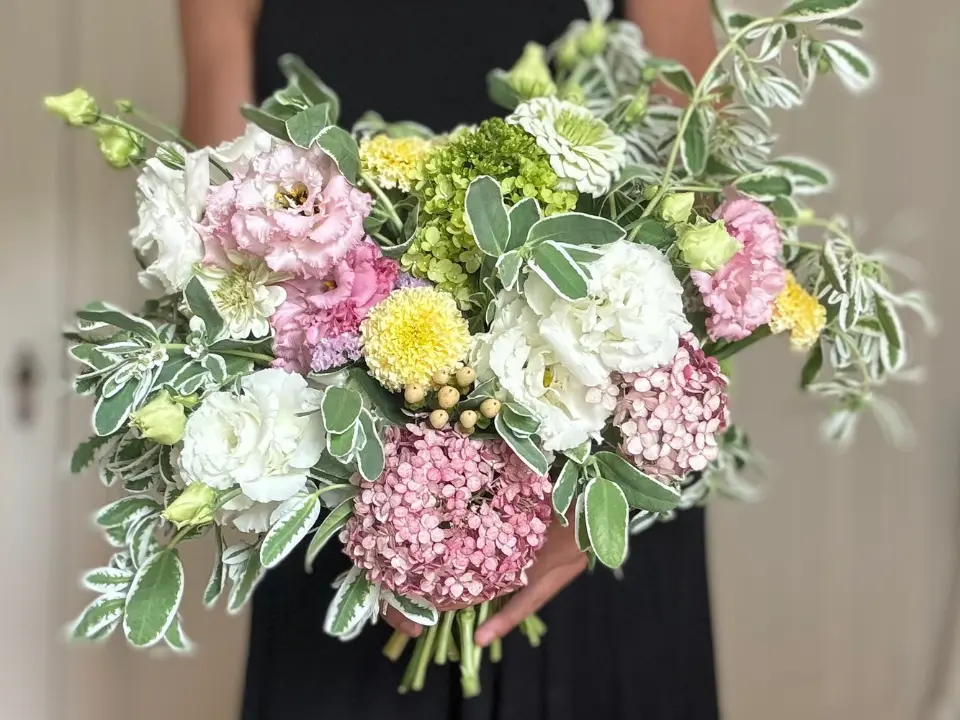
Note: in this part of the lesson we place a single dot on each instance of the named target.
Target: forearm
(680, 30)
(217, 38)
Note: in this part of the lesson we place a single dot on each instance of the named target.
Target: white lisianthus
(237, 154)
(169, 204)
(246, 296)
(529, 370)
(630, 320)
(257, 440)
(583, 150)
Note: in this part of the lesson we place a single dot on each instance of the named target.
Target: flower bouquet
(432, 346)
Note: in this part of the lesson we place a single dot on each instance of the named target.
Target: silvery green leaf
(764, 186)
(218, 574)
(266, 122)
(340, 146)
(640, 490)
(486, 216)
(832, 269)
(370, 458)
(247, 576)
(565, 490)
(553, 264)
(353, 604)
(238, 554)
(523, 216)
(524, 447)
(694, 146)
(508, 268)
(287, 532)
(517, 418)
(894, 348)
(738, 21)
(806, 62)
(580, 453)
(201, 305)
(844, 25)
(109, 581)
(807, 176)
(574, 229)
(305, 127)
(816, 10)
(176, 639)
(811, 368)
(580, 523)
(340, 409)
(87, 452)
(121, 513)
(99, 312)
(599, 10)
(141, 538)
(607, 516)
(307, 82)
(851, 65)
(343, 445)
(772, 41)
(412, 608)
(154, 599)
(104, 612)
(330, 525)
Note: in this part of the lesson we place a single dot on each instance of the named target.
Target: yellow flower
(393, 162)
(413, 334)
(799, 312)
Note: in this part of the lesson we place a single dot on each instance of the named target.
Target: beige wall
(830, 597)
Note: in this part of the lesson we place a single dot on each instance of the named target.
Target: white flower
(583, 150)
(531, 372)
(630, 321)
(237, 154)
(246, 295)
(256, 440)
(169, 203)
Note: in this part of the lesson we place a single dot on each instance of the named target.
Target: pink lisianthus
(453, 520)
(292, 208)
(318, 325)
(740, 294)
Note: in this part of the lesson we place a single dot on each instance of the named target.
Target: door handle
(25, 383)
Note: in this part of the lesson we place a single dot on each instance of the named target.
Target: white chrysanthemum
(583, 150)
(246, 295)
(258, 440)
(169, 204)
(531, 372)
(630, 321)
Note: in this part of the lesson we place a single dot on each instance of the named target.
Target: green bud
(594, 39)
(188, 401)
(650, 192)
(637, 108)
(161, 420)
(193, 508)
(530, 77)
(676, 208)
(573, 92)
(119, 146)
(705, 246)
(125, 106)
(568, 54)
(77, 107)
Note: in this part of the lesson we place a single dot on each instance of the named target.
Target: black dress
(640, 647)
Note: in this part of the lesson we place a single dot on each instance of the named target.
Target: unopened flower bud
(594, 39)
(490, 408)
(414, 394)
(573, 92)
(466, 376)
(568, 55)
(161, 420)
(468, 419)
(76, 107)
(188, 401)
(448, 396)
(530, 77)
(676, 208)
(439, 419)
(119, 146)
(637, 109)
(441, 378)
(193, 508)
(124, 106)
(705, 246)
(650, 192)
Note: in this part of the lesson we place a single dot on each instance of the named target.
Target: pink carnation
(453, 520)
(326, 312)
(670, 417)
(292, 208)
(740, 294)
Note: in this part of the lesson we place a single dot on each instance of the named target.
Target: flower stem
(259, 357)
(469, 667)
(160, 125)
(396, 645)
(481, 619)
(406, 684)
(443, 641)
(181, 533)
(496, 650)
(731, 349)
(423, 660)
(534, 628)
(382, 196)
(111, 120)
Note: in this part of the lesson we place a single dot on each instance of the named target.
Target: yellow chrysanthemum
(799, 312)
(413, 334)
(393, 162)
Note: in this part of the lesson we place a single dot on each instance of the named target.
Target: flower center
(547, 377)
(235, 293)
(579, 129)
(295, 196)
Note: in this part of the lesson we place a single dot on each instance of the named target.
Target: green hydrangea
(443, 251)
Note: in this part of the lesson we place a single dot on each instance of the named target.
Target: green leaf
(640, 490)
(217, 574)
(805, 174)
(414, 608)
(305, 127)
(86, 452)
(370, 460)
(851, 65)
(575, 229)
(331, 468)
(784, 207)
(650, 231)
(154, 599)
(508, 268)
(679, 78)
(244, 585)
(607, 515)
(832, 270)
(581, 254)
(811, 368)
(893, 355)
(694, 146)
(383, 404)
(107, 580)
(266, 122)
(813, 10)
(289, 530)
(845, 25)
(104, 612)
(122, 512)
(176, 639)
(523, 216)
(340, 408)
(201, 304)
(580, 523)
(565, 490)
(99, 312)
(500, 91)
(524, 447)
(556, 268)
(307, 82)
(330, 525)
(340, 145)
(580, 453)
(486, 216)
(342, 445)
(517, 420)
(738, 21)
(354, 602)
(764, 186)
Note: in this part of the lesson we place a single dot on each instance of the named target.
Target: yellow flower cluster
(799, 312)
(412, 335)
(393, 162)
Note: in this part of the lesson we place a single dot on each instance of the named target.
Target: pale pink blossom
(453, 520)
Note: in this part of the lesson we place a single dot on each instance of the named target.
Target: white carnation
(531, 372)
(630, 321)
(257, 440)
(583, 150)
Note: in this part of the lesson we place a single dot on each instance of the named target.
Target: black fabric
(640, 647)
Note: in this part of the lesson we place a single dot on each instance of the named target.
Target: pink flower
(292, 208)
(326, 312)
(451, 519)
(740, 294)
(670, 417)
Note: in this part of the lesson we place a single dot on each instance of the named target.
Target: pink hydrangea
(318, 325)
(740, 294)
(452, 520)
(292, 208)
(670, 416)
